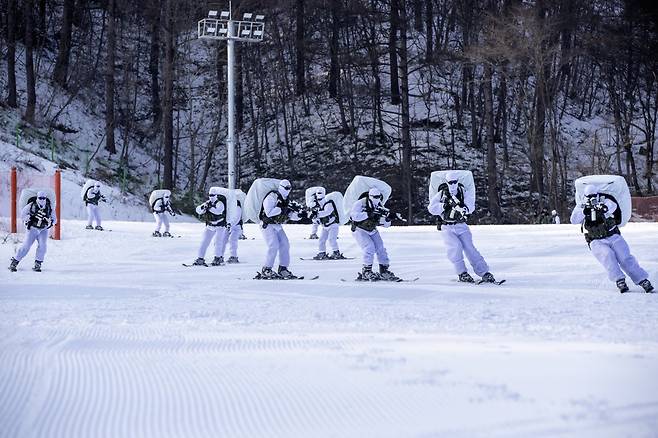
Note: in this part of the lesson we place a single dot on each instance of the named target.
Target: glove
(27, 224)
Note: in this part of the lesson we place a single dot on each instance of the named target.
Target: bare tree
(109, 79)
(61, 69)
(11, 54)
(29, 61)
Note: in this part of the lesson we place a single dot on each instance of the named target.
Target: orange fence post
(58, 206)
(14, 189)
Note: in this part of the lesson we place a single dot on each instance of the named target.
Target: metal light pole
(225, 28)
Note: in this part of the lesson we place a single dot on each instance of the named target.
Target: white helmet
(452, 177)
(41, 199)
(97, 185)
(285, 188)
(590, 190)
(375, 196)
(319, 193)
(554, 212)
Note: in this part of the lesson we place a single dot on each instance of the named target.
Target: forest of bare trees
(527, 94)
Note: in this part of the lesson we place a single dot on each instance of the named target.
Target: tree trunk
(29, 61)
(61, 69)
(406, 125)
(429, 30)
(168, 115)
(109, 80)
(300, 47)
(333, 48)
(11, 54)
(393, 52)
(154, 64)
(492, 170)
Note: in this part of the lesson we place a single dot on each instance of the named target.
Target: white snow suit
(328, 218)
(37, 222)
(215, 216)
(92, 197)
(457, 237)
(232, 236)
(612, 251)
(273, 233)
(160, 210)
(366, 233)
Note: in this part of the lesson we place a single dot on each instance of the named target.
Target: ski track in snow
(116, 339)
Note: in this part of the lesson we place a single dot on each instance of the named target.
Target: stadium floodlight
(225, 28)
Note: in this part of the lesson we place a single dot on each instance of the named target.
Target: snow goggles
(377, 196)
(454, 181)
(214, 195)
(286, 187)
(41, 197)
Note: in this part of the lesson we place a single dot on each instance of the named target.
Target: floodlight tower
(223, 27)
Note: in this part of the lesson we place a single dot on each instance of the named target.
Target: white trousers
(41, 236)
(459, 242)
(93, 214)
(371, 244)
(208, 233)
(161, 219)
(314, 228)
(615, 256)
(330, 234)
(231, 238)
(277, 243)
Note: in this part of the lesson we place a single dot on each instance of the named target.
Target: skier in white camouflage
(597, 216)
(213, 212)
(234, 234)
(160, 207)
(276, 210)
(326, 214)
(367, 214)
(450, 206)
(92, 197)
(38, 216)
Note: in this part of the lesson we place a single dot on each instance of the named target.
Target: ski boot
(156, 234)
(200, 262)
(217, 261)
(243, 237)
(89, 227)
(646, 285)
(313, 236)
(488, 278)
(621, 285)
(321, 256)
(336, 255)
(166, 234)
(99, 228)
(37, 266)
(386, 275)
(233, 259)
(366, 274)
(268, 274)
(465, 277)
(14, 265)
(285, 274)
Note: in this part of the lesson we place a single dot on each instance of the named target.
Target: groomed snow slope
(116, 339)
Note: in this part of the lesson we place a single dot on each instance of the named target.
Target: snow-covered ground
(116, 339)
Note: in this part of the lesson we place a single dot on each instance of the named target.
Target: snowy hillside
(116, 338)
(121, 206)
